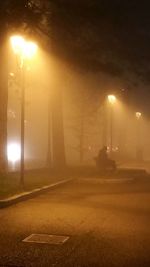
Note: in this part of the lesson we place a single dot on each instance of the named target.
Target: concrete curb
(30, 194)
(107, 180)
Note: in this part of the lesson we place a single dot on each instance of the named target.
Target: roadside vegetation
(10, 183)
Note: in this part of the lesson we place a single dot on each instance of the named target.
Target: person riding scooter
(102, 160)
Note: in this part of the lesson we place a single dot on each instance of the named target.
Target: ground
(108, 225)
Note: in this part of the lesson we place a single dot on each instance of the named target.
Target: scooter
(108, 164)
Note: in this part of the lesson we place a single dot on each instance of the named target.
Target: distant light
(11, 114)
(111, 99)
(11, 74)
(115, 149)
(13, 152)
(138, 115)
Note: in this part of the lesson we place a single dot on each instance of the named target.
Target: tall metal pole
(22, 126)
(139, 155)
(49, 145)
(104, 132)
(112, 100)
(20, 47)
(138, 141)
(111, 128)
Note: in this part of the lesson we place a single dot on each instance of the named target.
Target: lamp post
(25, 50)
(111, 100)
(138, 136)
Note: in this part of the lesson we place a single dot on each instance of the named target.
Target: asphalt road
(108, 225)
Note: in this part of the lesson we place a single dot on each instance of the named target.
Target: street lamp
(25, 50)
(138, 115)
(138, 136)
(13, 153)
(111, 100)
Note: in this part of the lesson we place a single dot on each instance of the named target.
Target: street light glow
(11, 74)
(17, 43)
(138, 115)
(111, 99)
(20, 46)
(30, 49)
(13, 152)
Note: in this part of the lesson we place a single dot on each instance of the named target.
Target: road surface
(107, 224)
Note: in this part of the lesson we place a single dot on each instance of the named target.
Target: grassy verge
(10, 183)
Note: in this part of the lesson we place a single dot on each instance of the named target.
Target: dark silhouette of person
(102, 160)
(102, 155)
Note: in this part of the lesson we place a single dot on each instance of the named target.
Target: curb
(108, 180)
(30, 194)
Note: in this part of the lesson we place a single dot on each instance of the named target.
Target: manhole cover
(46, 239)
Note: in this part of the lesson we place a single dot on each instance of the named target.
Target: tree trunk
(81, 146)
(3, 103)
(82, 129)
(49, 143)
(59, 160)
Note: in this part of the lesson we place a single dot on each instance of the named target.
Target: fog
(89, 120)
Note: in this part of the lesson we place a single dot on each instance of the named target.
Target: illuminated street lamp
(13, 153)
(25, 50)
(139, 155)
(112, 100)
(138, 115)
(17, 43)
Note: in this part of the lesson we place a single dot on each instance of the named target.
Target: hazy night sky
(109, 36)
(112, 36)
(93, 48)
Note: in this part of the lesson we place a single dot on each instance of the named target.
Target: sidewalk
(29, 194)
(40, 181)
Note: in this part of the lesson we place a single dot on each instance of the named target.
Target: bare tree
(84, 105)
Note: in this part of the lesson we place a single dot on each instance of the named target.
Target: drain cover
(46, 239)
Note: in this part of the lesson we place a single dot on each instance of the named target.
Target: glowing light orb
(13, 152)
(20, 46)
(30, 49)
(111, 99)
(138, 115)
(17, 43)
